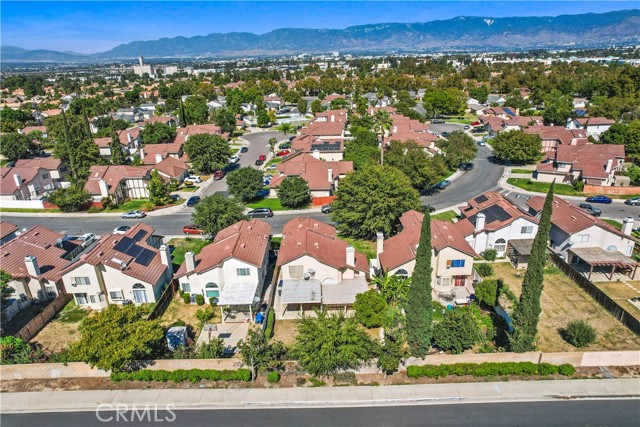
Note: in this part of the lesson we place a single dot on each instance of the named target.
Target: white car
(122, 229)
(270, 168)
(194, 179)
(234, 159)
(87, 239)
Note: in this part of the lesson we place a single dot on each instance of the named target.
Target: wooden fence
(34, 326)
(163, 301)
(602, 298)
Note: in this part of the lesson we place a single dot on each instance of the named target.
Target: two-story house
(118, 182)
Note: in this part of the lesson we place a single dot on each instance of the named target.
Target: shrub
(316, 382)
(578, 185)
(271, 321)
(344, 377)
(579, 333)
(484, 269)
(490, 254)
(94, 209)
(487, 292)
(370, 308)
(148, 206)
(457, 332)
(180, 375)
(566, 370)
(273, 377)
(212, 302)
(186, 298)
(204, 314)
(547, 369)
(301, 382)
(200, 299)
(489, 369)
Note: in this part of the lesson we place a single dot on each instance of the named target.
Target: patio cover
(238, 294)
(301, 291)
(345, 292)
(598, 256)
(521, 246)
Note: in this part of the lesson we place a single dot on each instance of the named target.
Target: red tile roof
(484, 202)
(113, 175)
(7, 180)
(246, 241)
(307, 236)
(150, 151)
(172, 167)
(591, 159)
(49, 163)
(7, 228)
(312, 170)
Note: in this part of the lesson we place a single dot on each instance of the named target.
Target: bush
(94, 209)
(484, 269)
(489, 369)
(578, 185)
(204, 314)
(271, 321)
(490, 254)
(212, 302)
(273, 377)
(186, 298)
(547, 369)
(579, 333)
(200, 299)
(457, 332)
(148, 206)
(566, 370)
(487, 292)
(370, 308)
(180, 375)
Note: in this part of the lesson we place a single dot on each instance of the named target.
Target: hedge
(489, 369)
(179, 375)
(271, 322)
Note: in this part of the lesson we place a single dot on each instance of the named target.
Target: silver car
(134, 215)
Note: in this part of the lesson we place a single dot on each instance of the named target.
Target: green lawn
(461, 121)
(4, 162)
(543, 187)
(71, 313)
(365, 246)
(182, 246)
(131, 205)
(445, 216)
(521, 170)
(273, 203)
(274, 161)
(7, 210)
(613, 222)
(191, 189)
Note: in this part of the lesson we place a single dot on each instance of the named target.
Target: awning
(238, 294)
(521, 246)
(301, 291)
(345, 292)
(598, 257)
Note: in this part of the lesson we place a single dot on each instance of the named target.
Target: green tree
(5, 291)
(394, 289)
(557, 108)
(216, 212)
(458, 331)
(226, 120)
(633, 172)
(70, 199)
(423, 170)
(272, 144)
(316, 106)
(302, 106)
(244, 183)
(118, 336)
(517, 147)
(286, 128)
(627, 134)
(196, 109)
(527, 313)
(118, 157)
(390, 354)
(262, 118)
(370, 308)
(259, 352)
(363, 149)
(418, 309)
(371, 200)
(480, 93)
(382, 124)
(293, 192)
(459, 148)
(329, 343)
(16, 146)
(158, 190)
(158, 133)
(448, 102)
(207, 153)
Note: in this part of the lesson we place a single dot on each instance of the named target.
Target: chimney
(480, 219)
(128, 137)
(609, 165)
(18, 180)
(316, 154)
(379, 243)
(333, 118)
(330, 175)
(158, 158)
(351, 256)
(141, 153)
(32, 265)
(165, 256)
(104, 188)
(627, 225)
(190, 259)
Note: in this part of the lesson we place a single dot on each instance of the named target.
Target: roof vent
(573, 217)
(298, 244)
(250, 227)
(316, 245)
(243, 245)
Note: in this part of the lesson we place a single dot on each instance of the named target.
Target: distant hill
(461, 33)
(16, 54)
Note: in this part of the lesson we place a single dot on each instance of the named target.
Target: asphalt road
(611, 413)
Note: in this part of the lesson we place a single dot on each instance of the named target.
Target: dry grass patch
(620, 292)
(286, 331)
(563, 301)
(62, 330)
(178, 311)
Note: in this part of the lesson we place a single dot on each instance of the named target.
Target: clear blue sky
(87, 26)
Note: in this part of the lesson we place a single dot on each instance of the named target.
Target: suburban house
(554, 136)
(25, 183)
(171, 168)
(121, 268)
(327, 125)
(493, 125)
(489, 221)
(406, 129)
(150, 152)
(232, 268)
(118, 182)
(589, 244)
(167, 120)
(325, 149)
(28, 129)
(594, 126)
(595, 164)
(321, 176)
(452, 257)
(130, 140)
(316, 269)
(184, 133)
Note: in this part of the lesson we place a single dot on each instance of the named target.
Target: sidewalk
(302, 397)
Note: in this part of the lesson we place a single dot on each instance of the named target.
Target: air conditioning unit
(311, 272)
(306, 276)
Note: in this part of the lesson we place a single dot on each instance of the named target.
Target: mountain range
(461, 33)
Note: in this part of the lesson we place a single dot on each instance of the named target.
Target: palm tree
(286, 128)
(394, 289)
(382, 124)
(272, 145)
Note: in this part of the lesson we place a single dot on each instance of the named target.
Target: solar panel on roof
(481, 199)
(139, 235)
(508, 111)
(326, 146)
(145, 256)
(496, 213)
(124, 244)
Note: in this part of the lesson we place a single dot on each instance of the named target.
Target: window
(101, 297)
(212, 290)
(186, 287)
(115, 295)
(81, 299)
(527, 229)
(93, 299)
(455, 263)
(79, 281)
(612, 248)
(243, 272)
(402, 273)
(45, 175)
(139, 294)
(51, 291)
(500, 245)
(582, 238)
(446, 281)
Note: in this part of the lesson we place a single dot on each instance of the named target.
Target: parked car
(218, 175)
(467, 127)
(234, 159)
(244, 149)
(259, 162)
(431, 208)
(86, 239)
(445, 134)
(326, 209)
(270, 168)
(122, 229)
(599, 199)
(192, 229)
(194, 179)
(193, 200)
(266, 181)
(482, 143)
(476, 124)
(442, 184)
(477, 130)
(633, 202)
(593, 211)
(262, 157)
(466, 166)
(285, 145)
(133, 215)
(283, 153)
(437, 122)
(260, 213)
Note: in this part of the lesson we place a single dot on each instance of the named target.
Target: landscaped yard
(365, 246)
(130, 205)
(445, 216)
(563, 301)
(178, 312)
(188, 189)
(182, 246)
(62, 330)
(526, 171)
(613, 222)
(274, 161)
(543, 187)
(269, 202)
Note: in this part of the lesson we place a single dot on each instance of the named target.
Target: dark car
(192, 229)
(193, 200)
(445, 134)
(285, 145)
(218, 175)
(437, 122)
(442, 184)
(466, 166)
(593, 211)
(326, 209)
(260, 213)
(633, 202)
(599, 199)
(259, 162)
(244, 149)
(429, 207)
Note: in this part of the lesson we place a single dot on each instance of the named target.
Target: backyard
(563, 301)
(63, 329)
(178, 312)
(445, 216)
(621, 292)
(182, 246)
(365, 246)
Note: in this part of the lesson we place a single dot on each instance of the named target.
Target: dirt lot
(285, 331)
(62, 330)
(179, 311)
(563, 301)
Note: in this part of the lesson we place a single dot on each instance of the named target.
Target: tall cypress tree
(419, 309)
(182, 116)
(527, 313)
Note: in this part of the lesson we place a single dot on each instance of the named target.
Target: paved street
(611, 413)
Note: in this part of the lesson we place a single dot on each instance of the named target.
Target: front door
(459, 280)
(140, 296)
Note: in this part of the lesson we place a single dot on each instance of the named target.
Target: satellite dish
(256, 299)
